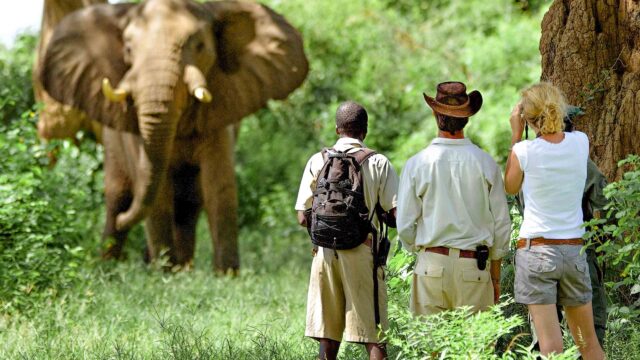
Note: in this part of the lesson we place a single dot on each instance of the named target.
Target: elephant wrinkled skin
(170, 79)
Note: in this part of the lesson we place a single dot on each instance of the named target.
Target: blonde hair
(544, 108)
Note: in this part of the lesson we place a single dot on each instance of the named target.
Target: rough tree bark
(591, 50)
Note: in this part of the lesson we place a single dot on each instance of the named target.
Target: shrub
(15, 76)
(619, 233)
(46, 215)
(456, 334)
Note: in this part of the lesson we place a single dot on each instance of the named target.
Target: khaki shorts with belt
(443, 282)
(341, 296)
(552, 271)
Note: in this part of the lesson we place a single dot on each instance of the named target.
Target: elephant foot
(230, 272)
(113, 252)
(186, 267)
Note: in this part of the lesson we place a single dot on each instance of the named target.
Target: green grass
(127, 308)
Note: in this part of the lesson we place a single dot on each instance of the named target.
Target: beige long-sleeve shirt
(380, 180)
(452, 194)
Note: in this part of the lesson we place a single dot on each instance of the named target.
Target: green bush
(15, 76)
(619, 234)
(457, 334)
(47, 215)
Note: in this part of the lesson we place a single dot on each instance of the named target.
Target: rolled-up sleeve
(388, 191)
(308, 183)
(500, 213)
(594, 188)
(409, 209)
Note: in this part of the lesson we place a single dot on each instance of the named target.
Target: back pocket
(428, 286)
(540, 263)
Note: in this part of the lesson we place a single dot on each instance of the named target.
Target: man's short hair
(451, 124)
(351, 119)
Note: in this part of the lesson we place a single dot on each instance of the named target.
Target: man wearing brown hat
(452, 211)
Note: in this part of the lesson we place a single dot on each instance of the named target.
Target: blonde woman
(551, 269)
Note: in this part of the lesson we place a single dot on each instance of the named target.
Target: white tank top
(554, 179)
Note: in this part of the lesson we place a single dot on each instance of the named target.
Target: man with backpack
(344, 193)
(452, 211)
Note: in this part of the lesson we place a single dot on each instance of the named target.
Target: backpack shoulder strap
(362, 155)
(325, 153)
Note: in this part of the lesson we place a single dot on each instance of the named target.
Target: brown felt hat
(452, 100)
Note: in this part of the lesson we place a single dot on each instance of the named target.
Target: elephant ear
(86, 47)
(260, 57)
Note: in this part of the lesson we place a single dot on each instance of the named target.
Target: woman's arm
(513, 174)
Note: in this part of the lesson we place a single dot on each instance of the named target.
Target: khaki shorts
(341, 296)
(442, 282)
(552, 274)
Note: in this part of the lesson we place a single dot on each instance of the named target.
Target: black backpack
(339, 217)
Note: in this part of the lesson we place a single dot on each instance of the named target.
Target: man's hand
(302, 220)
(495, 279)
(517, 122)
(496, 291)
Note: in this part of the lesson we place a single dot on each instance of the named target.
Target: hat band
(453, 107)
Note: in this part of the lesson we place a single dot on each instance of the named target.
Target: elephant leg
(220, 195)
(187, 204)
(159, 225)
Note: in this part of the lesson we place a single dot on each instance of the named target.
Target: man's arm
(500, 212)
(594, 191)
(302, 220)
(307, 185)
(496, 265)
(388, 193)
(409, 209)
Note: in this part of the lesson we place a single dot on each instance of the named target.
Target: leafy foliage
(46, 215)
(374, 53)
(457, 334)
(619, 238)
(15, 76)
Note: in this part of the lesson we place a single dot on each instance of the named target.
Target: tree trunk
(591, 50)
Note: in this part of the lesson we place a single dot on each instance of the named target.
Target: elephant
(186, 74)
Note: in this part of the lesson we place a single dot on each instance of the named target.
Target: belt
(522, 243)
(469, 254)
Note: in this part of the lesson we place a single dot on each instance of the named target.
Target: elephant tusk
(117, 95)
(202, 94)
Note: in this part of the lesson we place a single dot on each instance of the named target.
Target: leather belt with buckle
(469, 254)
(522, 243)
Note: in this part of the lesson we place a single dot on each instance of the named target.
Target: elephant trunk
(157, 120)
